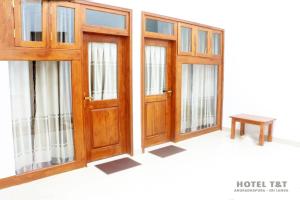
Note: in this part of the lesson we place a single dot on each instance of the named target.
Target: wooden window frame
(10, 51)
(159, 35)
(78, 136)
(193, 45)
(53, 21)
(208, 48)
(196, 60)
(221, 43)
(104, 29)
(18, 26)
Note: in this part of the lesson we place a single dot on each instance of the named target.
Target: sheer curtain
(103, 74)
(41, 106)
(31, 20)
(65, 24)
(155, 70)
(198, 97)
(186, 39)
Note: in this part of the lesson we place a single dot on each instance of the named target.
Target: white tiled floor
(208, 169)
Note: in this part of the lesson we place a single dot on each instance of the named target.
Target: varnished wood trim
(38, 174)
(53, 22)
(18, 26)
(103, 29)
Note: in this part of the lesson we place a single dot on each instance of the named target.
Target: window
(41, 113)
(186, 39)
(65, 24)
(103, 70)
(155, 70)
(198, 97)
(99, 18)
(216, 44)
(157, 26)
(31, 12)
(202, 42)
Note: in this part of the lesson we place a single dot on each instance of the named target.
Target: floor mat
(167, 151)
(117, 165)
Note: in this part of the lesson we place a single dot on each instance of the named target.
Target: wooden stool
(252, 119)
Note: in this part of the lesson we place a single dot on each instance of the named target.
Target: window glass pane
(159, 27)
(99, 18)
(65, 24)
(202, 42)
(216, 44)
(41, 113)
(31, 14)
(186, 39)
(155, 70)
(103, 70)
(198, 97)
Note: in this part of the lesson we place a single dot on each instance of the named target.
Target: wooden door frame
(171, 39)
(10, 51)
(121, 97)
(178, 59)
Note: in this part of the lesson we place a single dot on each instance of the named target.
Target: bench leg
(242, 129)
(270, 131)
(261, 135)
(232, 129)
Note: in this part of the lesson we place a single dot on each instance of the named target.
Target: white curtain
(65, 24)
(198, 97)
(155, 70)
(103, 70)
(216, 39)
(186, 39)
(41, 106)
(31, 15)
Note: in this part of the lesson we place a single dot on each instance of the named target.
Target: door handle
(88, 98)
(167, 91)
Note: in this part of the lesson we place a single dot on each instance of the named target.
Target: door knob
(88, 98)
(167, 91)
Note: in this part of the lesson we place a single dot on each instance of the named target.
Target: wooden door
(157, 92)
(104, 90)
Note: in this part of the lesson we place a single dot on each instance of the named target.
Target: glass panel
(41, 113)
(157, 26)
(198, 97)
(202, 42)
(65, 24)
(155, 70)
(216, 44)
(99, 18)
(31, 12)
(103, 70)
(186, 39)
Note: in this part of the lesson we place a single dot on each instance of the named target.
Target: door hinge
(13, 3)
(14, 33)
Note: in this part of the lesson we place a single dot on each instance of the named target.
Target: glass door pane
(155, 70)
(186, 39)
(41, 113)
(202, 42)
(65, 24)
(102, 70)
(216, 44)
(31, 12)
(198, 97)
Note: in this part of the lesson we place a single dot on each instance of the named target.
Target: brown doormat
(117, 165)
(167, 151)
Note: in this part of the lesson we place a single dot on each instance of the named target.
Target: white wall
(7, 166)
(262, 41)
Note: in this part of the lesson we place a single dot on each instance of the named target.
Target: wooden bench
(252, 119)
